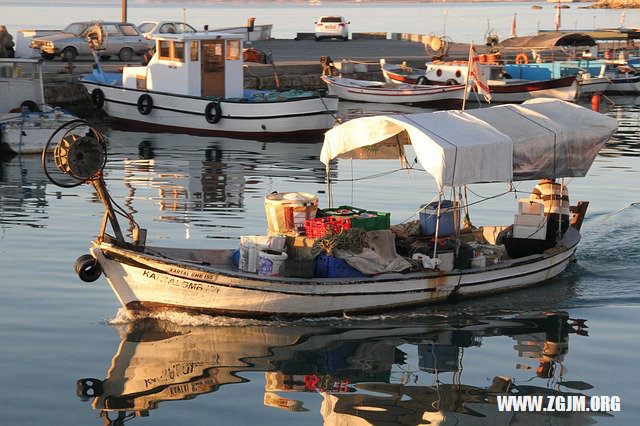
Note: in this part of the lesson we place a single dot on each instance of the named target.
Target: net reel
(95, 37)
(79, 156)
(438, 46)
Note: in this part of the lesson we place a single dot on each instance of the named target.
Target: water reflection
(381, 373)
(22, 192)
(182, 173)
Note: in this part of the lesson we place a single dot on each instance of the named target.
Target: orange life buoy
(522, 58)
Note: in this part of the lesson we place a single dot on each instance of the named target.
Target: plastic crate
(333, 267)
(378, 220)
(319, 226)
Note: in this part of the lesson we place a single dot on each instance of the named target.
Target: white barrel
(270, 262)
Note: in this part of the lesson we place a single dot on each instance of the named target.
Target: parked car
(148, 29)
(119, 38)
(332, 27)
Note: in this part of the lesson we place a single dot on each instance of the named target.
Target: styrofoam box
(529, 206)
(530, 232)
(529, 220)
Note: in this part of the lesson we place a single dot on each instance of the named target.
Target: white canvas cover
(542, 138)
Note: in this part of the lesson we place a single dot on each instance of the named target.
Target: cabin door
(212, 68)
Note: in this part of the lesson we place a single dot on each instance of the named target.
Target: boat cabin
(456, 72)
(205, 64)
(20, 82)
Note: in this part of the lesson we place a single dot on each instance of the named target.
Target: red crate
(318, 227)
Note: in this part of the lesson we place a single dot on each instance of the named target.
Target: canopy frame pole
(466, 79)
(435, 244)
(328, 187)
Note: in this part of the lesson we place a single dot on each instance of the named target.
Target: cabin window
(178, 51)
(141, 82)
(164, 49)
(111, 30)
(233, 50)
(194, 50)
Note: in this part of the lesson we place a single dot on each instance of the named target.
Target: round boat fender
(213, 112)
(522, 58)
(89, 388)
(422, 80)
(145, 104)
(97, 97)
(87, 268)
(451, 82)
(505, 76)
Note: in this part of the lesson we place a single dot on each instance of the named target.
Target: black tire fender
(213, 112)
(97, 98)
(87, 268)
(422, 80)
(451, 82)
(145, 104)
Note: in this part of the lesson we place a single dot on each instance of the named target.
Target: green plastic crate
(382, 220)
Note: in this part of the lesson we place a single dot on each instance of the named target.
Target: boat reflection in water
(366, 374)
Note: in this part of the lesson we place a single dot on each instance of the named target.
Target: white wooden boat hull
(28, 135)
(359, 91)
(238, 119)
(589, 86)
(148, 282)
(506, 91)
(623, 84)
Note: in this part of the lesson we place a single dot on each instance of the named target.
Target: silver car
(119, 38)
(149, 29)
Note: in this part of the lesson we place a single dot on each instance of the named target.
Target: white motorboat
(25, 120)
(623, 79)
(503, 88)
(539, 139)
(194, 84)
(388, 93)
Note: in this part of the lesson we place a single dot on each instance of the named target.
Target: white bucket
(270, 262)
(250, 245)
(446, 261)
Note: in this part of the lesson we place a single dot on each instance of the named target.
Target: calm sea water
(575, 336)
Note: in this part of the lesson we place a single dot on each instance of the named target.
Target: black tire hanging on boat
(97, 97)
(213, 112)
(87, 268)
(89, 388)
(422, 80)
(451, 82)
(145, 104)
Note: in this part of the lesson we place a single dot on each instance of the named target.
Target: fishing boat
(539, 139)
(387, 93)
(502, 87)
(26, 121)
(194, 83)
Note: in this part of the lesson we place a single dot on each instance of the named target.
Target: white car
(151, 28)
(332, 27)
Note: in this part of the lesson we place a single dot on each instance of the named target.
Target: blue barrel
(449, 218)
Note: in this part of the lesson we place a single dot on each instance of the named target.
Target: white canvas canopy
(542, 138)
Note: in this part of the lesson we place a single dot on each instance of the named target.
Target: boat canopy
(542, 138)
(548, 41)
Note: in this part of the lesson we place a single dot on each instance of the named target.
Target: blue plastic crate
(333, 267)
(449, 218)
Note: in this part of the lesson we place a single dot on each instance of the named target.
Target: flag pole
(466, 80)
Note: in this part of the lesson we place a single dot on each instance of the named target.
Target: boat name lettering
(199, 386)
(172, 372)
(165, 279)
(192, 274)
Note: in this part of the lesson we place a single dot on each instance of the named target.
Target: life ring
(451, 82)
(145, 104)
(87, 268)
(522, 58)
(422, 81)
(97, 97)
(213, 112)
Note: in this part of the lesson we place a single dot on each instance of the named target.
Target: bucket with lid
(270, 262)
